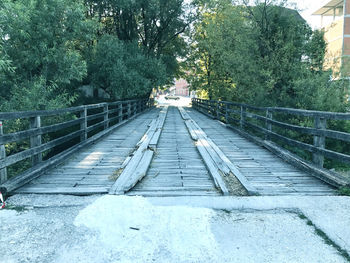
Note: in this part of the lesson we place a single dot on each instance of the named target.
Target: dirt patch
(115, 175)
(234, 185)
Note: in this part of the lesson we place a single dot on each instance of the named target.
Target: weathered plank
(125, 130)
(137, 166)
(261, 165)
(3, 171)
(176, 163)
(221, 161)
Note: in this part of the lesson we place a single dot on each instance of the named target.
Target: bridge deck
(264, 170)
(90, 170)
(176, 168)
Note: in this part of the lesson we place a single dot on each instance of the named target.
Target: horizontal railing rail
(72, 125)
(271, 123)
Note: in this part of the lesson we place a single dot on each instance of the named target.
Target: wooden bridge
(133, 148)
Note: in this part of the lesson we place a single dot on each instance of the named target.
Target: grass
(325, 238)
(344, 190)
(16, 208)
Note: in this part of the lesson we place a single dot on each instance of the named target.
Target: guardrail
(270, 123)
(78, 125)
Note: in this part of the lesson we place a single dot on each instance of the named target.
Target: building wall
(346, 45)
(181, 88)
(334, 38)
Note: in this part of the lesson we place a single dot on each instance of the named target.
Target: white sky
(307, 7)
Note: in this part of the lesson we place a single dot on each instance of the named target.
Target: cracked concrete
(101, 228)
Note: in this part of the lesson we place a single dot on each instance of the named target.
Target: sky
(307, 7)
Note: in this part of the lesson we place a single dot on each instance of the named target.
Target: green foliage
(36, 95)
(32, 95)
(264, 54)
(155, 25)
(123, 70)
(49, 48)
(345, 190)
(223, 53)
(44, 39)
(124, 47)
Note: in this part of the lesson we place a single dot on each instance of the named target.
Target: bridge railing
(41, 136)
(303, 130)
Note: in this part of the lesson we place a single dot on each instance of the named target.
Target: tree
(44, 39)
(123, 70)
(223, 54)
(264, 55)
(155, 25)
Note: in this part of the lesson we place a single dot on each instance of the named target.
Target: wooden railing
(271, 124)
(77, 124)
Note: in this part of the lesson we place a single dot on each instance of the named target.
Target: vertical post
(138, 106)
(218, 110)
(268, 124)
(105, 116)
(83, 124)
(129, 109)
(120, 112)
(319, 141)
(35, 122)
(242, 117)
(226, 113)
(3, 171)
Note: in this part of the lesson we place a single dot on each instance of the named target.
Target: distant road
(183, 101)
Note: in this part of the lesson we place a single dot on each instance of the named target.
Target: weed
(325, 238)
(344, 190)
(16, 208)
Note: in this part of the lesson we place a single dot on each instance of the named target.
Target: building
(181, 88)
(335, 20)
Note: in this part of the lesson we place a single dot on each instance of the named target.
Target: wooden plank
(137, 167)
(3, 171)
(221, 161)
(267, 162)
(300, 112)
(327, 153)
(177, 162)
(320, 173)
(21, 135)
(38, 149)
(184, 114)
(38, 170)
(63, 190)
(191, 130)
(160, 125)
(35, 141)
(219, 182)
